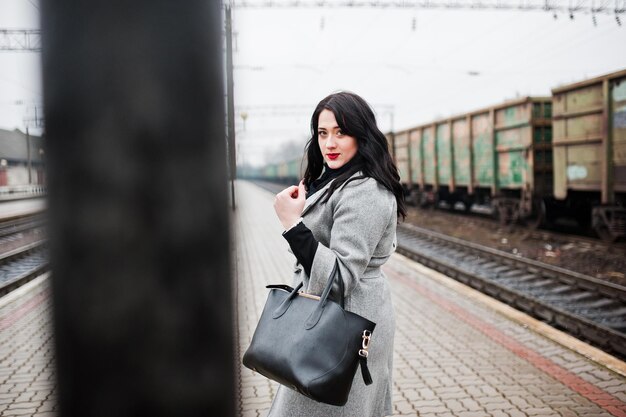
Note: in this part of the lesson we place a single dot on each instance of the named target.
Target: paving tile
(500, 405)
(472, 414)
(516, 413)
(405, 407)
(20, 412)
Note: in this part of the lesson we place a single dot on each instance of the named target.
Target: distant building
(21, 158)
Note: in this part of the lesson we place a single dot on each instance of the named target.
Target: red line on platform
(11, 318)
(602, 398)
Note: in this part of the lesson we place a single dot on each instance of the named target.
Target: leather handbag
(310, 344)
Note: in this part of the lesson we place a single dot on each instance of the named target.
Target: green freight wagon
(590, 152)
(401, 156)
(295, 170)
(497, 157)
(282, 170)
(270, 172)
(294, 175)
(286, 172)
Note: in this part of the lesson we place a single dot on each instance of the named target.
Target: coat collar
(310, 202)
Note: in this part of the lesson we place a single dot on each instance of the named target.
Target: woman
(347, 212)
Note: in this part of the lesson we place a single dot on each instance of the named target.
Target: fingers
(301, 190)
(294, 192)
(287, 192)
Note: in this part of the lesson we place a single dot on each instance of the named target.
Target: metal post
(232, 157)
(29, 163)
(134, 101)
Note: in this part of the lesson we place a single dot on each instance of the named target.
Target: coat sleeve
(361, 215)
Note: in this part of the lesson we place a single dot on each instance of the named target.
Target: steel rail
(566, 276)
(20, 224)
(17, 255)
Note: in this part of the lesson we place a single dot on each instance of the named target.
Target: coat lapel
(311, 201)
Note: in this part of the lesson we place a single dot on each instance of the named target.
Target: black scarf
(328, 175)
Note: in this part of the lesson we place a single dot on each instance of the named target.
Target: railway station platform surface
(16, 208)
(27, 377)
(457, 352)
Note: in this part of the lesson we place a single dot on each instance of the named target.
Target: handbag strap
(284, 306)
(315, 316)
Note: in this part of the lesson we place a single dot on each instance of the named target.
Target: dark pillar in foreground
(138, 201)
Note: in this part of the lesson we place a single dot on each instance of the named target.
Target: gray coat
(357, 226)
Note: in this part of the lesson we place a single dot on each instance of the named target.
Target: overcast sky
(20, 81)
(418, 65)
(411, 65)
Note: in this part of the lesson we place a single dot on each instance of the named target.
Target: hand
(289, 204)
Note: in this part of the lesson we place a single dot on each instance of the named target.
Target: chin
(335, 164)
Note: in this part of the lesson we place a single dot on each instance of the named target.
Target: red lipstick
(332, 156)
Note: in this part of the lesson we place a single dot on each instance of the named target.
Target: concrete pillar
(134, 100)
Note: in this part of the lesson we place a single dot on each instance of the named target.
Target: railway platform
(17, 208)
(27, 377)
(457, 352)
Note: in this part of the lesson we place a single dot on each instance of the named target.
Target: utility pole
(30, 178)
(232, 158)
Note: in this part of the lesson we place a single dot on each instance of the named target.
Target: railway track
(19, 266)
(588, 308)
(21, 259)
(21, 224)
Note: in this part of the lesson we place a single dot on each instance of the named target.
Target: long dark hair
(355, 118)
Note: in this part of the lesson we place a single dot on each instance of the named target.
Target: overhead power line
(552, 6)
(26, 40)
(291, 110)
(30, 39)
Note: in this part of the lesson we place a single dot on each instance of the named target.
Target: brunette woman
(346, 209)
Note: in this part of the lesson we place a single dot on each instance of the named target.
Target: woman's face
(336, 147)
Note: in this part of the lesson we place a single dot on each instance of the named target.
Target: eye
(339, 133)
(321, 133)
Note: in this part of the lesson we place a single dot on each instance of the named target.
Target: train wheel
(504, 214)
(600, 225)
(604, 233)
(415, 198)
(467, 205)
(537, 216)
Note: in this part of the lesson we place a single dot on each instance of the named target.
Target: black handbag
(310, 344)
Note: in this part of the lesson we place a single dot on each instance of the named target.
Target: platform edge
(591, 353)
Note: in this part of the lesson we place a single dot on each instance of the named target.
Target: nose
(330, 142)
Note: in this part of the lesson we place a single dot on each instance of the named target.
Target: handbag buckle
(367, 336)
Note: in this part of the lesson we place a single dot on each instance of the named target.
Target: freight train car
(589, 125)
(498, 157)
(286, 172)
